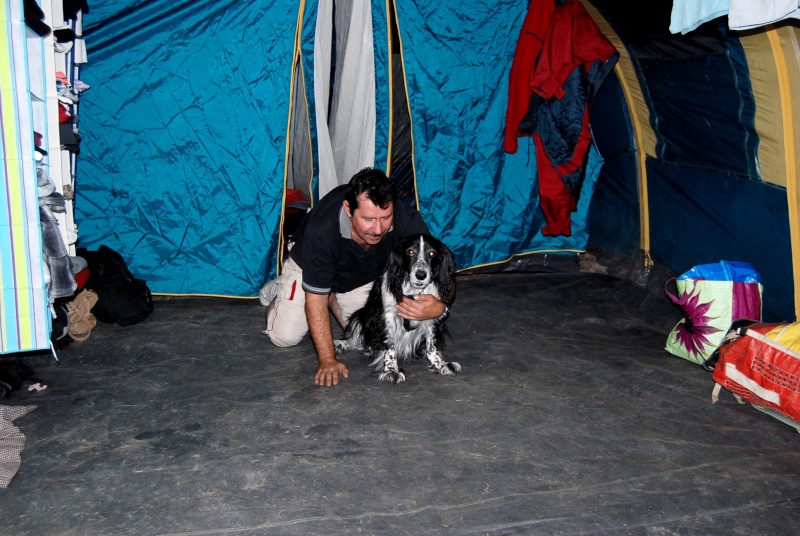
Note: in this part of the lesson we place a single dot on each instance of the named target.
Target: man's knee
(286, 323)
(284, 340)
(285, 316)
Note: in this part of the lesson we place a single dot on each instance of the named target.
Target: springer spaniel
(419, 264)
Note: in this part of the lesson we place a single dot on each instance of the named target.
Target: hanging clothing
(748, 14)
(688, 15)
(573, 62)
(54, 252)
(529, 45)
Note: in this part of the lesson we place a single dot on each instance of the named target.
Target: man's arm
(319, 325)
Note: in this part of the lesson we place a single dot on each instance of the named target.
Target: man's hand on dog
(422, 307)
(328, 371)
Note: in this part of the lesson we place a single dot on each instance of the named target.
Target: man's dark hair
(379, 189)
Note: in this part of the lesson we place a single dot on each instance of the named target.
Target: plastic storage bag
(760, 363)
(711, 297)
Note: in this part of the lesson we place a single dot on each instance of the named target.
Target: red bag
(760, 363)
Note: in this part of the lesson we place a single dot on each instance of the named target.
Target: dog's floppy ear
(444, 271)
(395, 271)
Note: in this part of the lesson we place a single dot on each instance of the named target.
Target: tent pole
(643, 135)
(790, 159)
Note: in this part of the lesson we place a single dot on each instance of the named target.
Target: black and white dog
(419, 264)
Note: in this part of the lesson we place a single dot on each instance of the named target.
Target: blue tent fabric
(383, 87)
(706, 196)
(723, 207)
(479, 200)
(615, 228)
(183, 139)
(712, 134)
(184, 135)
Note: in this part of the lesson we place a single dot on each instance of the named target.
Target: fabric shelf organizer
(24, 318)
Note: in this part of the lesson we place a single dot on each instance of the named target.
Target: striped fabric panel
(24, 318)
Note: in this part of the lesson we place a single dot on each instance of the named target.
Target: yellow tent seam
(641, 156)
(408, 102)
(390, 60)
(787, 116)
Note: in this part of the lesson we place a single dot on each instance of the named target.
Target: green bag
(711, 297)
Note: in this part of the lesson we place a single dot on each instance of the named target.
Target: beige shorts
(286, 316)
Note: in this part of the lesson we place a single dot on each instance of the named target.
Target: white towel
(689, 14)
(745, 14)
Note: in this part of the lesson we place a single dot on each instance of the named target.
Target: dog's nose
(421, 274)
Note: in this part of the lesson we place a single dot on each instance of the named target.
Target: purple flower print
(693, 332)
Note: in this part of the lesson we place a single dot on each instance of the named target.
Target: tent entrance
(350, 108)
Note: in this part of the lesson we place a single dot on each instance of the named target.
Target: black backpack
(122, 298)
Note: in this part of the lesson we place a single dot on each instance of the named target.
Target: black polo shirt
(331, 260)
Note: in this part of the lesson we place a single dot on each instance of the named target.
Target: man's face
(369, 222)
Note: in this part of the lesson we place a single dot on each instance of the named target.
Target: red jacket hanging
(529, 44)
(573, 61)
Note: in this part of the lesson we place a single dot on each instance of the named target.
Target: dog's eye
(411, 252)
(431, 254)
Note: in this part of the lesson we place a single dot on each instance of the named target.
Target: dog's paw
(392, 376)
(450, 368)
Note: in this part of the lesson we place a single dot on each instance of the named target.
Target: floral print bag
(711, 297)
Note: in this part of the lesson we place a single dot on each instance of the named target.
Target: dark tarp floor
(568, 418)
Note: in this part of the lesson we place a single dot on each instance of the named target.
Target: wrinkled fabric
(529, 45)
(687, 15)
(12, 441)
(349, 125)
(481, 201)
(184, 133)
(749, 14)
(56, 257)
(575, 59)
(357, 103)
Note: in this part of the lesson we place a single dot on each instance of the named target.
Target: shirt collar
(344, 225)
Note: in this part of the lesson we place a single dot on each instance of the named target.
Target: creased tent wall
(184, 135)
(183, 139)
(479, 200)
(702, 127)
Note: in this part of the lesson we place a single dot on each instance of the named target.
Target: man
(337, 251)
